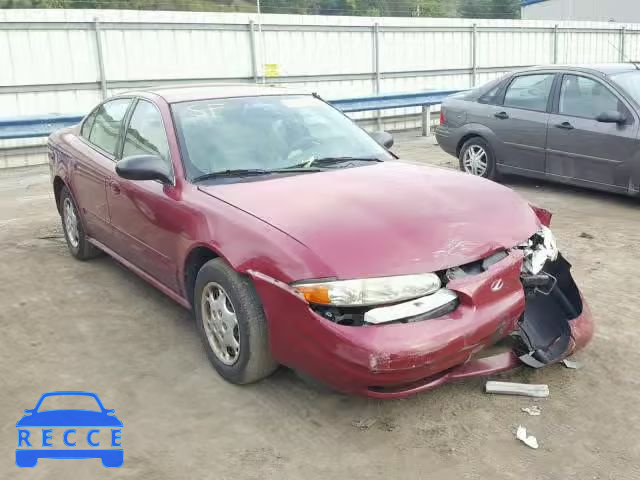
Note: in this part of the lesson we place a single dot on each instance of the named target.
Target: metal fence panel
(51, 58)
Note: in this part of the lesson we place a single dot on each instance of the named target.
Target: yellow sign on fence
(271, 70)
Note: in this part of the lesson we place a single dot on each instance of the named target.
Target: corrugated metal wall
(51, 60)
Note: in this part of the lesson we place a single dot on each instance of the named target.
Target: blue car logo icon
(36, 432)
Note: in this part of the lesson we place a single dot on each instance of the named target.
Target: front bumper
(397, 360)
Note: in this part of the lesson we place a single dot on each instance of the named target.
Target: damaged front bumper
(544, 323)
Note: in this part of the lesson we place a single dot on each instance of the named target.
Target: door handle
(502, 115)
(565, 126)
(115, 188)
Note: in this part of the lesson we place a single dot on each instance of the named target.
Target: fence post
(252, 47)
(102, 78)
(474, 55)
(376, 66)
(426, 120)
(555, 44)
(623, 55)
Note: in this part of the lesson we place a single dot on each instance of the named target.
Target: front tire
(74, 233)
(232, 324)
(477, 158)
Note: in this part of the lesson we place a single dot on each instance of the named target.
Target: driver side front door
(582, 150)
(145, 214)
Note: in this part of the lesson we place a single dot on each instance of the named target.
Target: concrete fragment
(508, 388)
(572, 364)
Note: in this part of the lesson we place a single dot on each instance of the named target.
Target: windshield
(68, 402)
(266, 133)
(630, 83)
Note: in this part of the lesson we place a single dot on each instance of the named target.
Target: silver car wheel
(71, 223)
(475, 160)
(220, 323)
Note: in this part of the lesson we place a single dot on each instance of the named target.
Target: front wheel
(232, 324)
(477, 158)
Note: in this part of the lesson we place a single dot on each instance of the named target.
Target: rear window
(529, 92)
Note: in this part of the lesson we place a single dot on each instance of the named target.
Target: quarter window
(584, 97)
(146, 134)
(88, 123)
(106, 125)
(530, 92)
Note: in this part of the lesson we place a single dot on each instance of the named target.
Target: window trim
(556, 103)
(127, 121)
(95, 147)
(550, 99)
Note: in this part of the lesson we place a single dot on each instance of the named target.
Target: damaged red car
(298, 239)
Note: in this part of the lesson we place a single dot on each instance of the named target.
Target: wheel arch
(193, 262)
(58, 184)
(465, 138)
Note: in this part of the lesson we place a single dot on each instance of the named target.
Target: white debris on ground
(509, 388)
(572, 364)
(534, 410)
(528, 440)
(364, 424)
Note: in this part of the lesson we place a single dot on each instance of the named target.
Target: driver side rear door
(520, 121)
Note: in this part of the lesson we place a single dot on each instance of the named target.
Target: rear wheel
(477, 158)
(74, 233)
(232, 324)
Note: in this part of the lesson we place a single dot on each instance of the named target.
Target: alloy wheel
(220, 323)
(475, 160)
(71, 223)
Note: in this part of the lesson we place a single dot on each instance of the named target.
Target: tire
(481, 146)
(252, 361)
(76, 238)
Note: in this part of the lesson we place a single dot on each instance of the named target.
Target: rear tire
(232, 324)
(74, 233)
(477, 158)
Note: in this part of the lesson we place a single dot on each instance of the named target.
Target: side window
(584, 97)
(88, 123)
(530, 92)
(106, 124)
(146, 134)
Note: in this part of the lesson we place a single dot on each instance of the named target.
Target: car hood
(389, 218)
(69, 418)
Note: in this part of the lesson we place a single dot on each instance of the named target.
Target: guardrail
(382, 102)
(34, 126)
(44, 125)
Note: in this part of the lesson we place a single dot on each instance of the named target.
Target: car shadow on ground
(575, 192)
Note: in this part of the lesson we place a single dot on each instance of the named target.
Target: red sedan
(296, 238)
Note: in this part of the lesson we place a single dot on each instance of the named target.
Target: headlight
(369, 291)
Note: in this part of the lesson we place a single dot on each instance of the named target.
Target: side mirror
(612, 116)
(383, 138)
(144, 167)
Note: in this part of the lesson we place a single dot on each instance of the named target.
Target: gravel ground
(95, 326)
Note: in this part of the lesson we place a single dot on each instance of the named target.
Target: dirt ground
(68, 325)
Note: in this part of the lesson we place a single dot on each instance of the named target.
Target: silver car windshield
(266, 133)
(630, 83)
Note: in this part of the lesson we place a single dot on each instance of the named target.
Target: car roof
(598, 69)
(191, 92)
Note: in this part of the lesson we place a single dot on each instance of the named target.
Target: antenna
(635, 63)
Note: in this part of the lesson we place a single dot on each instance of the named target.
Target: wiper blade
(247, 172)
(239, 172)
(334, 160)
